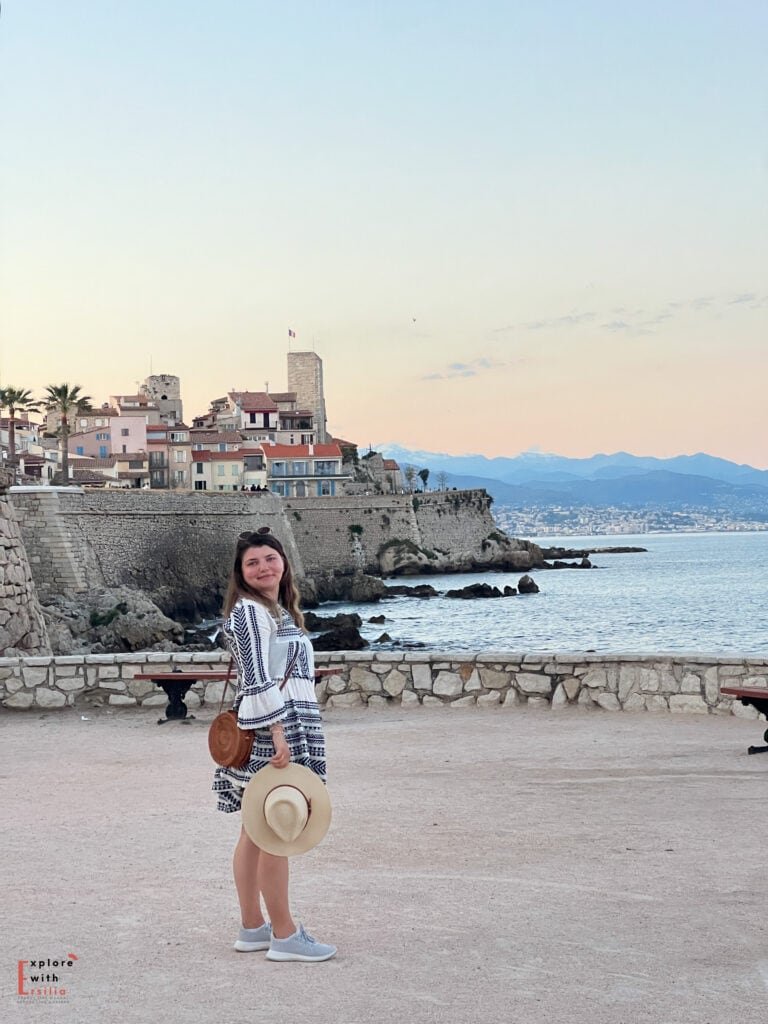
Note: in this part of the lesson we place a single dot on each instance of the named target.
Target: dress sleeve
(261, 702)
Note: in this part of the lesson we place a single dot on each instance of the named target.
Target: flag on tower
(291, 334)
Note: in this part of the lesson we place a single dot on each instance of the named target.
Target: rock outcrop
(107, 620)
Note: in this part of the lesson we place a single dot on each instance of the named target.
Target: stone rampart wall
(22, 628)
(355, 531)
(641, 683)
(175, 546)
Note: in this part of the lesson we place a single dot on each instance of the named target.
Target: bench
(757, 698)
(176, 685)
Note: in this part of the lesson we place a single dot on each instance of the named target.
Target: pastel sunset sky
(503, 225)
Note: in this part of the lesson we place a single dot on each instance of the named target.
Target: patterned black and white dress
(262, 649)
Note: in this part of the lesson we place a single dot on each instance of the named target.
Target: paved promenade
(483, 866)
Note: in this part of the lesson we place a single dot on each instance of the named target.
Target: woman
(264, 630)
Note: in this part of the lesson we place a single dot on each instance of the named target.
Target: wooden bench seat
(755, 697)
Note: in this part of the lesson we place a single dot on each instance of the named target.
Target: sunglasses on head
(261, 532)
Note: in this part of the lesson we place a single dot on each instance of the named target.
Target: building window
(222, 446)
(326, 488)
(235, 469)
(198, 468)
(124, 431)
(80, 450)
(102, 451)
(181, 476)
(325, 467)
(307, 438)
(220, 470)
(200, 485)
(83, 424)
(181, 456)
(298, 469)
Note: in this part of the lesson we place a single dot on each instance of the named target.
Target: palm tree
(16, 400)
(66, 400)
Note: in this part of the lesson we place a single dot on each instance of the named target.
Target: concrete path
(483, 866)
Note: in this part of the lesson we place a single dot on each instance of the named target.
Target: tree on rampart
(409, 472)
(16, 400)
(424, 476)
(66, 400)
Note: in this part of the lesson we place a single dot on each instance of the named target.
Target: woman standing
(264, 630)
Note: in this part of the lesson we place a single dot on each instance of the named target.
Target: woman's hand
(282, 756)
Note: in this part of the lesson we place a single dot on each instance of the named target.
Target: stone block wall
(362, 531)
(175, 546)
(630, 683)
(22, 629)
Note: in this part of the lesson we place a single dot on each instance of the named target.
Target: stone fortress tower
(305, 377)
(165, 391)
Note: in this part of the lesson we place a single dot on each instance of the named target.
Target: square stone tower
(165, 391)
(305, 377)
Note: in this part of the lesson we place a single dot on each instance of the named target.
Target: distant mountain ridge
(620, 479)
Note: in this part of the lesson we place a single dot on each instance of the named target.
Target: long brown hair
(288, 594)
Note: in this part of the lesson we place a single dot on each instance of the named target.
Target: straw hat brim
(316, 794)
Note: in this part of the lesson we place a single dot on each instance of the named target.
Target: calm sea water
(690, 592)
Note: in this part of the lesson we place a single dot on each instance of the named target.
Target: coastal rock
(109, 620)
(525, 585)
(345, 639)
(420, 590)
(475, 590)
(358, 587)
(317, 623)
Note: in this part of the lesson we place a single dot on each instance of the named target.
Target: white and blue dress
(262, 648)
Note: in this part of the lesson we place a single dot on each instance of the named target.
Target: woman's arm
(261, 703)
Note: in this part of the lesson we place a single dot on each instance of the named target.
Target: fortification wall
(22, 629)
(630, 682)
(177, 547)
(378, 533)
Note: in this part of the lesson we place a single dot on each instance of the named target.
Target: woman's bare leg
(245, 867)
(273, 883)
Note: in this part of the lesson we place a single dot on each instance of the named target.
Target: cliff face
(178, 547)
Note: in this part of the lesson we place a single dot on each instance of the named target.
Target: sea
(688, 592)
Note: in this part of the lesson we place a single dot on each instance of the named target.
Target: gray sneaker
(250, 940)
(299, 946)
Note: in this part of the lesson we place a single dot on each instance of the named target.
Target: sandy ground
(482, 866)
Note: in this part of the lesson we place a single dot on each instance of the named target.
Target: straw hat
(286, 810)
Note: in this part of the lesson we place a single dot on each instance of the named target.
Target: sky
(504, 226)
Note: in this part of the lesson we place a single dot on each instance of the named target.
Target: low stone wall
(628, 682)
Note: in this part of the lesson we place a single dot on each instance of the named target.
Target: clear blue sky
(502, 225)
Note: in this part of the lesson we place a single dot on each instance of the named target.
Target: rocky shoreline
(116, 620)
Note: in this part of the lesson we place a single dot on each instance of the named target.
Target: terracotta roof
(126, 456)
(208, 456)
(283, 396)
(253, 401)
(85, 462)
(285, 451)
(345, 444)
(390, 464)
(87, 476)
(214, 437)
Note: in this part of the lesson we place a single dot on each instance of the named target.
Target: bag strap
(289, 668)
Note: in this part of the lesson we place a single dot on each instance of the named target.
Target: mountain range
(620, 480)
